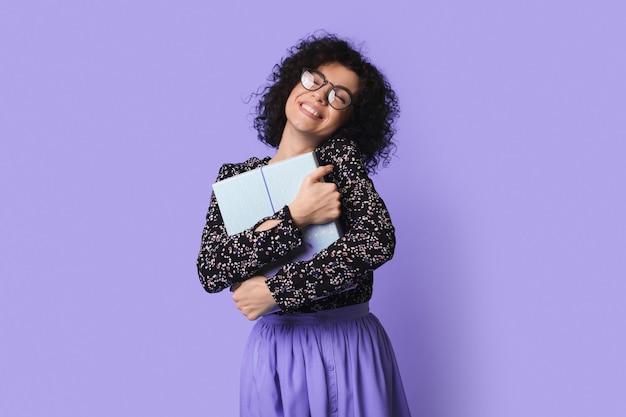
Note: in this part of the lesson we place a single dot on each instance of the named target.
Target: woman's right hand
(317, 202)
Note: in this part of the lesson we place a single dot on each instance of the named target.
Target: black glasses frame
(334, 87)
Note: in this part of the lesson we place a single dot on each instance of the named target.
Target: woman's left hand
(253, 297)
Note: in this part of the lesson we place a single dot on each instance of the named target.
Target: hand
(253, 297)
(317, 202)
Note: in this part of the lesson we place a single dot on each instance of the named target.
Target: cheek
(296, 91)
(342, 119)
(289, 105)
(291, 100)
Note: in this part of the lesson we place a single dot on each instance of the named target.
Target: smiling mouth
(311, 110)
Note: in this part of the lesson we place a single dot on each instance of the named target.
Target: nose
(321, 95)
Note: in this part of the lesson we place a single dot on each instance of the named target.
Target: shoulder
(347, 161)
(231, 169)
(339, 151)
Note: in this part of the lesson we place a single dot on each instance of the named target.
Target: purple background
(506, 295)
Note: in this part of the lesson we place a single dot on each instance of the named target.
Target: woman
(322, 353)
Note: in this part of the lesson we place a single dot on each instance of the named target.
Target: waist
(325, 316)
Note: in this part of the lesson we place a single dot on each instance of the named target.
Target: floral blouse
(339, 275)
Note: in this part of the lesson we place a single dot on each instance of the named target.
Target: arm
(316, 203)
(226, 260)
(369, 239)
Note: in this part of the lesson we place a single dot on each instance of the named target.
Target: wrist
(299, 220)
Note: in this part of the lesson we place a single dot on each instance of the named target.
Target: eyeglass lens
(338, 97)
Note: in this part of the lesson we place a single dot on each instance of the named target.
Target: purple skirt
(336, 363)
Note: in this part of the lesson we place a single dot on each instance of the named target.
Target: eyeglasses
(338, 97)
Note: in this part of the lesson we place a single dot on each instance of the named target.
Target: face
(309, 115)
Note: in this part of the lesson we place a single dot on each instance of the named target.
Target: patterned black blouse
(339, 275)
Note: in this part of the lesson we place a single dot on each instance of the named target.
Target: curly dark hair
(371, 126)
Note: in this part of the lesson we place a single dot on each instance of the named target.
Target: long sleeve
(225, 260)
(347, 264)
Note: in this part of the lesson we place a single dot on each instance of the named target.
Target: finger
(329, 190)
(318, 173)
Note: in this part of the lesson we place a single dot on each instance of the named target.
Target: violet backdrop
(506, 294)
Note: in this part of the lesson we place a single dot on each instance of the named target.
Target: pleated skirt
(337, 363)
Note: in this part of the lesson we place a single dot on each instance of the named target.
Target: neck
(291, 146)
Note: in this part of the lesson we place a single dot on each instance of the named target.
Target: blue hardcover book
(246, 198)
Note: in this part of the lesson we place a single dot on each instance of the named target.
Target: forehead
(340, 75)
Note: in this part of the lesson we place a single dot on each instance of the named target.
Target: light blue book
(246, 198)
